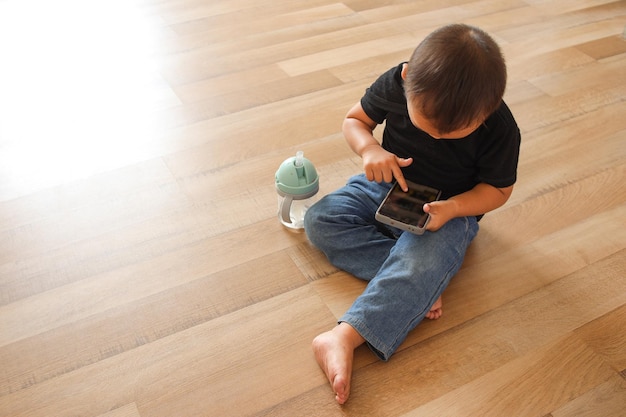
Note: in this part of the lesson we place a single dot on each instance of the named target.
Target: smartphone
(404, 210)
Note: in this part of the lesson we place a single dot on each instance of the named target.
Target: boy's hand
(381, 165)
(440, 213)
(479, 200)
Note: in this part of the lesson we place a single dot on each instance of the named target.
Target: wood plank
(91, 219)
(232, 138)
(606, 336)
(119, 184)
(611, 73)
(547, 63)
(529, 43)
(82, 298)
(605, 47)
(533, 385)
(565, 16)
(215, 34)
(339, 56)
(205, 63)
(562, 6)
(248, 96)
(607, 398)
(545, 110)
(148, 318)
(129, 410)
(192, 372)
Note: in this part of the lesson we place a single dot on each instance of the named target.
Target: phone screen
(407, 207)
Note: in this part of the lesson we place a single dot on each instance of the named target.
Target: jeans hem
(378, 347)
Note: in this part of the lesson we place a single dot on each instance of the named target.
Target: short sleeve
(385, 95)
(497, 164)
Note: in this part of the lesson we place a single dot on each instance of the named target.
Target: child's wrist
(369, 147)
(454, 208)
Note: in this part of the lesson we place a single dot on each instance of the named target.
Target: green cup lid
(297, 176)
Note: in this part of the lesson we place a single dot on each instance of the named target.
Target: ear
(405, 67)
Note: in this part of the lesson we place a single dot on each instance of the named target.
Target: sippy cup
(296, 183)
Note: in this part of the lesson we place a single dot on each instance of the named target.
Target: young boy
(446, 127)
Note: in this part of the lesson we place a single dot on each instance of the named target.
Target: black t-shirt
(488, 155)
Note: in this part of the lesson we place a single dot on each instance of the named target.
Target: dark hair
(456, 76)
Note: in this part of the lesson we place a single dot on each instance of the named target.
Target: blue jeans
(406, 273)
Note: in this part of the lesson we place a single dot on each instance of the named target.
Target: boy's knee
(311, 222)
(310, 218)
(317, 222)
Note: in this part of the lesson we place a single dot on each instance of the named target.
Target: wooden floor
(143, 270)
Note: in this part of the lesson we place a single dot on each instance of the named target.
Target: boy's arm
(358, 129)
(482, 199)
(378, 164)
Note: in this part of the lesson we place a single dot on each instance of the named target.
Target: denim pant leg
(414, 275)
(343, 226)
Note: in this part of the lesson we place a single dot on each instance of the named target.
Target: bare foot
(334, 352)
(436, 310)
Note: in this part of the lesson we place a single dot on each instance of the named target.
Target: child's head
(455, 79)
